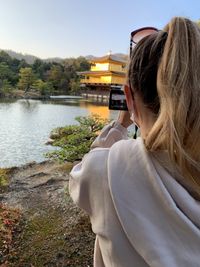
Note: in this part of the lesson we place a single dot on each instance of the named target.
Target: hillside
(30, 58)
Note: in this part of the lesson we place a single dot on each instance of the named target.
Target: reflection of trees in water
(95, 103)
(95, 107)
(76, 102)
(7, 101)
(29, 105)
(5, 104)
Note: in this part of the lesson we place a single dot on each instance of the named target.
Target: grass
(42, 236)
(4, 177)
(48, 240)
(5, 174)
(66, 167)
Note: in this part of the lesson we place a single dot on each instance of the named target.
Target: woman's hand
(124, 119)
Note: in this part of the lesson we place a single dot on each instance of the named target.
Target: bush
(75, 140)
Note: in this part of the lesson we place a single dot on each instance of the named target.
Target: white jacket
(140, 214)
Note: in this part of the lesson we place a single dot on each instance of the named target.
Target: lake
(25, 126)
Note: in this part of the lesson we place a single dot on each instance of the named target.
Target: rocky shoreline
(52, 230)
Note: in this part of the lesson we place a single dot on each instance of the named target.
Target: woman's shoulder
(121, 148)
(99, 160)
(128, 148)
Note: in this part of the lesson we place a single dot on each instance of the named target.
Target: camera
(117, 99)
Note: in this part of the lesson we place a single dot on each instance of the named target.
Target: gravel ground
(53, 231)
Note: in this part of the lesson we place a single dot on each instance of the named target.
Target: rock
(54, 135)
(49, 141)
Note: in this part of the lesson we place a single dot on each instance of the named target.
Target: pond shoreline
(26, 125)
(96, 97)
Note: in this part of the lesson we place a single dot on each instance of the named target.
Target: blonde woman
(143, 195)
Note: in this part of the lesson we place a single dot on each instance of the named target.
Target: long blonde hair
(177, 128)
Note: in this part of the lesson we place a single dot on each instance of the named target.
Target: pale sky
(70, 28)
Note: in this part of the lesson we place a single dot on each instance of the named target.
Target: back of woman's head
(165, 70)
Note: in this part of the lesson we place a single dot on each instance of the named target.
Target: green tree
(26, 79)
(37, 68)
(40, 68)
(74, 87)
(23, 64)
(45, 88)
(4, 57)
(82, 64)
(5, 87)
(9, 67)
(57, 78)
(71, 67)
(5, 72)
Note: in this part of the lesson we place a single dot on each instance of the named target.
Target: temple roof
(102, 72)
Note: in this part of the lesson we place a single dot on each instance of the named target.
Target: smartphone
(117, 100)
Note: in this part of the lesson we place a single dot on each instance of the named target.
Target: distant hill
(122, 56)
(30, 58)
(54, 59)
(89, 57)
(119, 55)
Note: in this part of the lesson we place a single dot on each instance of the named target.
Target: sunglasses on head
(139, 34)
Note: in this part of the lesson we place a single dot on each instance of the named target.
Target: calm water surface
(25, 126)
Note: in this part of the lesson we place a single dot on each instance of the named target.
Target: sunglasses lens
(141, 34)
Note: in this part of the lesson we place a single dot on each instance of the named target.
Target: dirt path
(53, 231)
